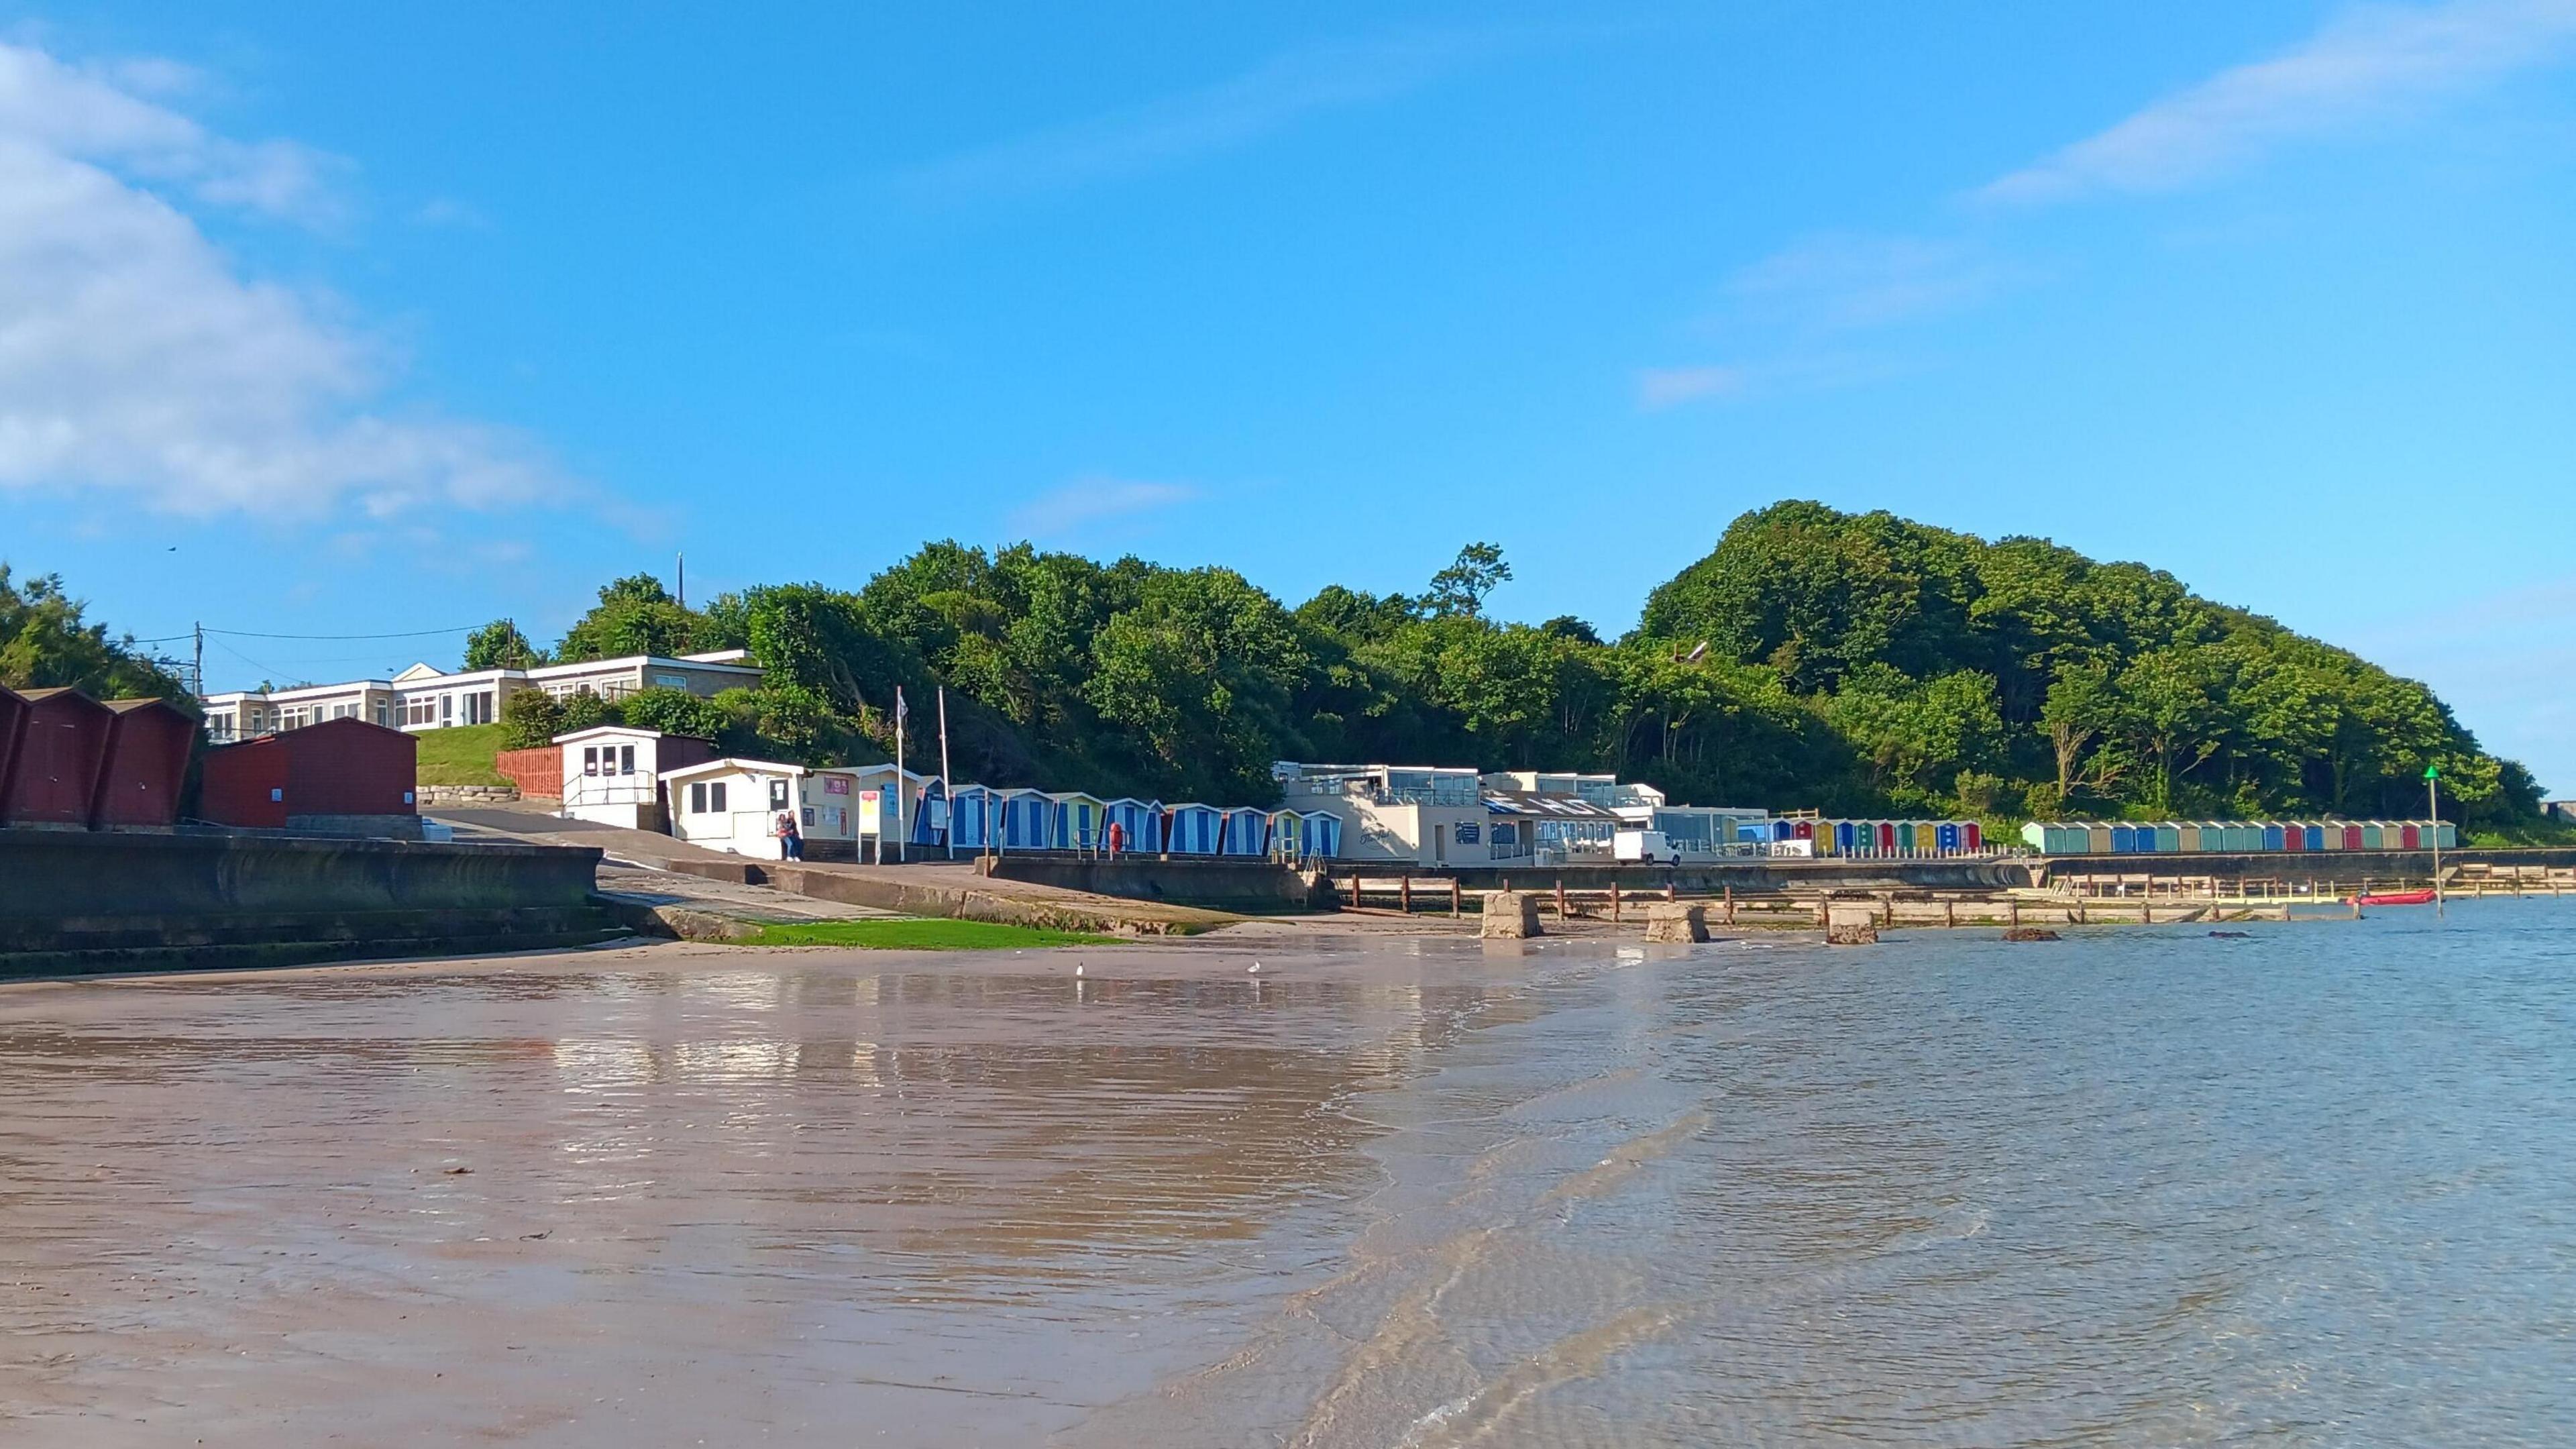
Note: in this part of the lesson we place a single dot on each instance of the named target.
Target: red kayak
(2393, 898)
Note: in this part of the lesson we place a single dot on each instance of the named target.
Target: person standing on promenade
(791, 841)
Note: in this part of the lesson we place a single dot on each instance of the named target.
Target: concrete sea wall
(90, 901)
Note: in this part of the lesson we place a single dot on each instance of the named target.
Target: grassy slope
(460, 756)
(920, 935)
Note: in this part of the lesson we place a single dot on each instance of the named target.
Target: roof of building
(733, 765)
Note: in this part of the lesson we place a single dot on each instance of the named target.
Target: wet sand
(672, 1194)
(2133, 1188)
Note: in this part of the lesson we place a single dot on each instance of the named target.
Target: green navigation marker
(2432, 772)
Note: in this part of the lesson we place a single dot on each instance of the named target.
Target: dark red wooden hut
(147, 762)
(339, 768)
(61, 746)
(13, 720)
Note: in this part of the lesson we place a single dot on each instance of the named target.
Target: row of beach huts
(2174, 837)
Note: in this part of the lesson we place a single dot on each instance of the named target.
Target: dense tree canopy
(45, 642)
(1814, 658)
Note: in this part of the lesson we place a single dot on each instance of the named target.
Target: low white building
(1423, 814)
(732, 804)
(613, 774)
(247, 714)
(426, 698)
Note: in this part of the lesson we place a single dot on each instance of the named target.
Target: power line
(414, 634)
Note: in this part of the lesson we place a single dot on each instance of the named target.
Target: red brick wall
(537, 772)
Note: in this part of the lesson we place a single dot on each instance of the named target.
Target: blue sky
(398, 317)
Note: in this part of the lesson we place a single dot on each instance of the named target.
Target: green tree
(500, 645)
(634, 615)
(1460, 590)
(45, 642)
(530, 718)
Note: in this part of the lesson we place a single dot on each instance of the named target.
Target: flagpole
(902, 787)
(2433, 794)
(946, 799)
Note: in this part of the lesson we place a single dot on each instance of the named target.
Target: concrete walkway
(920, 888)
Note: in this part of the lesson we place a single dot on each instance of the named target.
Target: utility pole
(198, 683)
(902, 786)
(680, 580)
(2433, 794)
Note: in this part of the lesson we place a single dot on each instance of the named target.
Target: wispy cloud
(1093, 499)
(1260, 102)
(1843, 281)
(2363, 66)
(1663, 387)
(137, 360)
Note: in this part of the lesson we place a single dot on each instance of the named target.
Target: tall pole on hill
(947, 801)
(902, 787)
(2433, 794)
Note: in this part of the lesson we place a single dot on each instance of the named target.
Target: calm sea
(2313, 1186)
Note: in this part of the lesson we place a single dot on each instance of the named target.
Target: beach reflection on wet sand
(671, 1195)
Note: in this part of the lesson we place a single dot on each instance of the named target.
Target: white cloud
(136, 359)
(2365, 65)
(1177, 129)
(1093, 498)
(1663, 387)
(1843, 281)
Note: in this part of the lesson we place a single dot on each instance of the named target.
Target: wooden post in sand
(1355, 890)
(1457, 897)
(1560, 898)
(1614, 899)
(1730, 905)
(1404, 893)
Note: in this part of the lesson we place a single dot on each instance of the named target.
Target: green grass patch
(895, 933)
(460, 756)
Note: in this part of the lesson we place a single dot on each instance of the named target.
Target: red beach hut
(147, 761)
(61, 746)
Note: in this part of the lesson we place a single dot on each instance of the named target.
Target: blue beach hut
(1022, 819)
(1320, 835)
(1190, 828)
(1139, 822)
(2124, 839)
(1246, 831)
(970, 817)
(2313, 837)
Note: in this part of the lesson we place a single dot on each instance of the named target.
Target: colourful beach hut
(2410, 836)
(1075, 820)
(970, 817)
(2124, 839)
(1246, 831)
(2374, 835)
(1320, 832)
(1139, 822)
(1975, 834)
(1842, 837)
(1023, 819)
(1190, 828)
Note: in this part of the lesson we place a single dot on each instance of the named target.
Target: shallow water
(2313, 1186)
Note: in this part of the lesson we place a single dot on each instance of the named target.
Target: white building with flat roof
(426, 698)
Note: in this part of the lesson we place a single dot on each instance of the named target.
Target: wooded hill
(1857, 663)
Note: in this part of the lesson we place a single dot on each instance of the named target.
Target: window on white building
(626, 759)
(590, 760)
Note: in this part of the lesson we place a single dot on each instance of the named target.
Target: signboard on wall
(1469, 834)
(868, 804)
